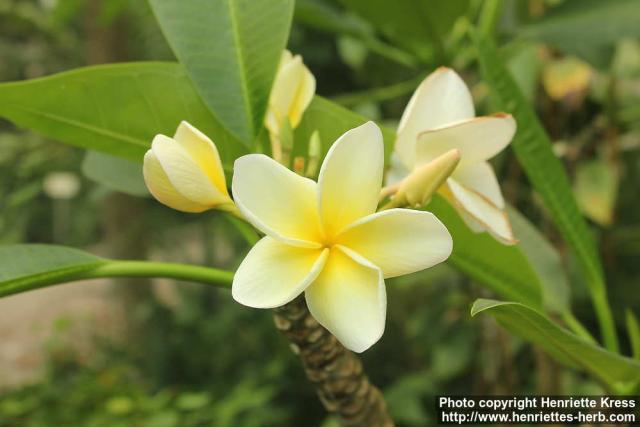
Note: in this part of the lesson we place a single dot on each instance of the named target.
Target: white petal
(478, 139)
(275, 200)
(204, 152)
(306, 91)
(481, 178)
(482, 210)
(442, 98)
(161, 188)
(399, 241)
(274, 273)
(349, 299)
(351, 177)
(185, 173)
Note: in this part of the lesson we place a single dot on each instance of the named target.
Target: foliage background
(200, 359)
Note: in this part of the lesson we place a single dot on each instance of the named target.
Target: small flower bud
(418, 187)
(185, 172)
(291, 94)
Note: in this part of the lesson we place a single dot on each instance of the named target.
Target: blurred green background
(161, 354)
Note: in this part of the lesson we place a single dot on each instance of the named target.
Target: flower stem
(117, 268)
(191, 273)
(336, 373)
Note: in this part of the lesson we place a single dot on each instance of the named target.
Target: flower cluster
(328, 239)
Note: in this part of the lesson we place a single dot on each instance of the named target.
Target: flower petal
(305, 92)
(442, 98)
(481, 178)
(204, 152)
(478, 139)
(349, 299)
(274, 273)
(482, 210)
(351, 177)
(399, 241)
(161, 188)
(185, 174)
(275, 200)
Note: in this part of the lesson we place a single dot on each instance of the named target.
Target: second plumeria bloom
(325, 239)
(439, 117)
(185, 172)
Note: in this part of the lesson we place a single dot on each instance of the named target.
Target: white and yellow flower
(439, 117)
(291, 94)
(185, 172)
(325, 239)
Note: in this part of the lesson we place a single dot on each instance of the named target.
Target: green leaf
(231, 50)
(533, 149)
(409, 23)
(25, 267)
(587, 28)
(503, 269)
(546, 262)
(618, 372)
(115, 173)
(633, 329)
(116, 109)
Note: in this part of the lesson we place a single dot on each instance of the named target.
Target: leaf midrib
(79, 124)
(241, 64)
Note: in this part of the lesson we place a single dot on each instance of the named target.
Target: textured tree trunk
(336, 373)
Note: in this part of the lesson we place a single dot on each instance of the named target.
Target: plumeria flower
(327, 240)
(439, 117)
(185, 172)
(291, 94)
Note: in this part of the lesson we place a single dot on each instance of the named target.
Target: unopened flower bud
(185, 172)
(418, 187)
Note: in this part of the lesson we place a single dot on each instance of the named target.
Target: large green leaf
(39, 265)
(231, 50)
(533, 149)
(503, 269)
(411, 23)
(116, 109)
(25, 267)
(620, 373)
(587, 28)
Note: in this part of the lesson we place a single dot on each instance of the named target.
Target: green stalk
(380, 93)
(605, 318)
(577, 327)
(489, 16)
(117, 268)
(189, 273)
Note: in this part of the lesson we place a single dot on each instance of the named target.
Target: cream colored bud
(185, 172)
(291, 94)
(418, 187)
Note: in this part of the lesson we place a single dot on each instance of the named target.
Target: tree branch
(336, 373)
